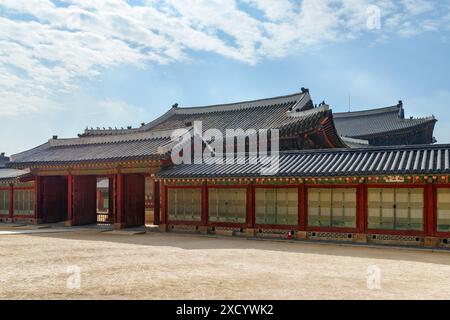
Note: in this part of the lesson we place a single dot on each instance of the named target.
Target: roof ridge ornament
(401, 111)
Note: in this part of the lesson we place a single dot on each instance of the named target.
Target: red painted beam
(430, 210)
(111, 196)
(302, 207)
(119, 193)
(70, 216)
(156, 202)
(251, 206)
(361, 208)
(205, 208)
(163, 204)
(37, 197)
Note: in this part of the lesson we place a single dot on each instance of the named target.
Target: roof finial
(305, 90)
(175, 105)
(401, 111)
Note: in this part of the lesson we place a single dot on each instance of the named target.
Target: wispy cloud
(46, 46)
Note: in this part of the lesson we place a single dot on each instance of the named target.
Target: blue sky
(68, 64)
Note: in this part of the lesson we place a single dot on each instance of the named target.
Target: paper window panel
(400, 209)
(24, 202)
(228, 205)
(4, 202)
(313, 207)
(184, 204)
(277, 206)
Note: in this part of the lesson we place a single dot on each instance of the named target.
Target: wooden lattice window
(277, 206)
(24, 202)
(396, 208)
(4, 202)
(185, 204)
(443, 209)
(332, 207)
(227, 205)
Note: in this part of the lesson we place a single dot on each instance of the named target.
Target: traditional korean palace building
(367, 176)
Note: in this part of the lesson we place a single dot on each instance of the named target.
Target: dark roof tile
(95, 152)
(364, 124)
(340, 162)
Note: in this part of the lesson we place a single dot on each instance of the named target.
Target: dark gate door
(54, 199)
(84, 200)
(134, 205)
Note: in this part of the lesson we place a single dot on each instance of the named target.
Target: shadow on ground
(201, 242)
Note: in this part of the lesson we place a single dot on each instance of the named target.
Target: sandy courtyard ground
(169, 266)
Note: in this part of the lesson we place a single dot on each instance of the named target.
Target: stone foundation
(431, 242)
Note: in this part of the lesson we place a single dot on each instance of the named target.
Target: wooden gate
(84, 200)
(53, 199)
(134, 200)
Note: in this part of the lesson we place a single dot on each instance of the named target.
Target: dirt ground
(169, 266)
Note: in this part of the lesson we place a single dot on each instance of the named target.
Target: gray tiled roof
(8, 174)
(72, 152)
(293, 113)
(256, 114)
(341, 162)
(364, 124)
(3, 160)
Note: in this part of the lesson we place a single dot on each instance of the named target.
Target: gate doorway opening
(105, 200)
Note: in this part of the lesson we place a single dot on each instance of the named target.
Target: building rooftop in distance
(302, 125)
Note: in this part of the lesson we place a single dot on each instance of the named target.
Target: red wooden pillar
(119, 219)
(204, 204)
(11, 201)
(156, 202)
(99, 200)
(37, 199)
(111, 195)
(164, 204)
(302, 208)
(251, 206)
(430, 211)
(70, 198)
(361, 208)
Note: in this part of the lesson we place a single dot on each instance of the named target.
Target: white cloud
(120, 109)
(45, 48)
(274, 10)
(417, 7)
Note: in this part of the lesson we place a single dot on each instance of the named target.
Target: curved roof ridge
(147, 135)
(429, 118)
(305, 113)
(109, 132)
(204, 109)
(368, 112)
(92, 140)
(243, 104)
